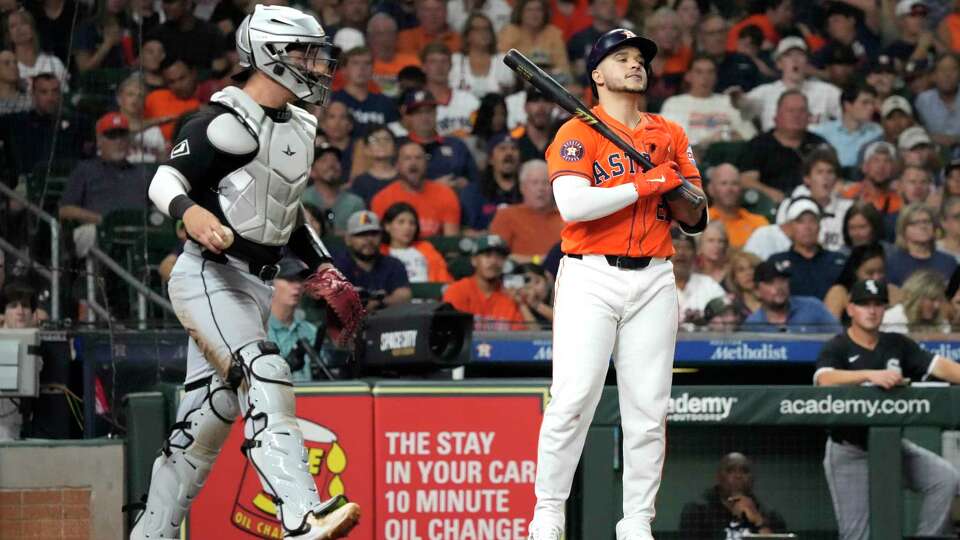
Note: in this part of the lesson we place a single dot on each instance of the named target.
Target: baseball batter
(235, 176)
(615, 291)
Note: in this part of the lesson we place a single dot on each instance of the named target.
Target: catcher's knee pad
(207, 411)
(274, 443)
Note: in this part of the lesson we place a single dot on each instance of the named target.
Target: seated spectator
(450, 161)
(865, 262)
(401, 240)
(782, 312)
(882, 77)
(387, 61)
(939, 108)
(916, 148)
(531, 33)
(896, 115)
(820, 176)
(739, 282)
(19, 311)
(725, 205)
(108, 182)
(21, 36)
(949, 30)
(921, 307)
(769, 17)
(953, 300)
(106, 40)
(862, 226)
(479, 68)
(382, 279)
(915, 185)
(151, 57)
(491, 119)
(177, 98)
(537, 130)
(841, 66)
(455, 106)
(864, 355)
(950, 223)
(497, 188)
(187, 37)
(693, 289)
(916, 246)
(287, 325)
(813, 269)
(433, 28)
(147, 144)
(368, 108)
(879, 168)
(603, 14)
(536, 295)
(12, 97)
(498, 11)
(326, 191)
(741, 69)
(228, 15)
(914, 40)
(706, 116)
(379, 152)
(436, 204)
(918, 76)
(729, 508)
(773, 160)
(713, 252)
(531, 227)
(722, 314)
(483, 294)
(336, 125)
(855, 127)
(844, 29)
(772, 239)
(673, 57)
(54, 22)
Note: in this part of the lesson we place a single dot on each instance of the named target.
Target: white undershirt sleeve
(577, 200)
(167, 184)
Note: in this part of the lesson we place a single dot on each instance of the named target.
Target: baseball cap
(498, 139)
(895, 103)
(881, 147)
(362, 221)
(292, 268)
(842, 55)
(324, 147)
(882, 64)
(916, 68)
(768, 270)
(908, 7)
(490, 242)
(868, 290)
(416, 98)
(954, 162)
(801, 205)
(348, 38)
(912, 137)
(613, 40)
(719, 306)
(112, 121)
(787, 44)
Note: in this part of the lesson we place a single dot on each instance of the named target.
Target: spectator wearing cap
(855, 127)
(335, 124)
(914, 38)
(916, 246)
(382, 279)
(775, 238)
(531, 33)
(432, 28)
(846, 28)
(722, 314)
(896, 115)
(880, 164)
(498, 186)
(706, 116)
(921, 305)
(694, 289)
(916, 148)
(537, 129)
(882, 77)
(379, 152)
(436, 203)
(820, 177)
(108, 182)
(450, 160)
(387, 60)
(479, 67)
(773, 160)
(367, 107)
(401, 239)
(863, 354)
(915, 185)
(841, 66)
(327, 192)
(918, 76)
(813, 268)
(725, 196)
(823, 99)
(950, 223)
(483, 294)
(177, 98)
(455, 106)
(939, 107)
(287, 324)
(531, 227)
(782, 312)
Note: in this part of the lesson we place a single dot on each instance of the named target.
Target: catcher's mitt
(344, 310)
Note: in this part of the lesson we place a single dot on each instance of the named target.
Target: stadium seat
(428, 290)
(759, 203)
(451, 245)
(460, 267)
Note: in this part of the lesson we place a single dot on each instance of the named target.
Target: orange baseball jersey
(643, 228)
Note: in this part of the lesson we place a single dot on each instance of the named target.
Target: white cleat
(545, 532)
(336, 524)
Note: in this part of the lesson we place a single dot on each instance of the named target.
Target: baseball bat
(550, 88)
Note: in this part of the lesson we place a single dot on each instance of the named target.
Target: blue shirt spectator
(382, 279)
(939, 108)
(450, 161)
(366, 107)
(855, 127)
(900, 264)
(812, 276)
(450, 157)
(286, 337)
(780, 311)
(916, 246)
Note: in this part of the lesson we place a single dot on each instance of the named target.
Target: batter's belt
(619, 261)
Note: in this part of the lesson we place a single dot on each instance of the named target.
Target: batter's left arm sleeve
(306, 244)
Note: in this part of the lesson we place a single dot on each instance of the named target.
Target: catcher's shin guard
(207, 413)
(274, 443)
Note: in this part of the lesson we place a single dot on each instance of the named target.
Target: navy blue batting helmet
(613, 40)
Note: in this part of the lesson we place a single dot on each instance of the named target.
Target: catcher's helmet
(613, 40)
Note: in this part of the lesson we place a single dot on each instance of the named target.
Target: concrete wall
(97, 465)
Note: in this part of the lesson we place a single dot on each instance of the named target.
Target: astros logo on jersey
(571, 150)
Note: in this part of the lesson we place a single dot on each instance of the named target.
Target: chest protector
(261, 199)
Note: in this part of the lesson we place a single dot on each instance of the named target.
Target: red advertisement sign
(337, 424)
(455, 463)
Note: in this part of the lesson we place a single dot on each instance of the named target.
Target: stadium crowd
(827, 132)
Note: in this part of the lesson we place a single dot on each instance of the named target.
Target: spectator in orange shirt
(387, 61)
(532, 227)
(176, 99)
(880, 165)
(433, 28)
(436, 204)
(401, 240)
(725, 190)
(768, 15)
(483, 294)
